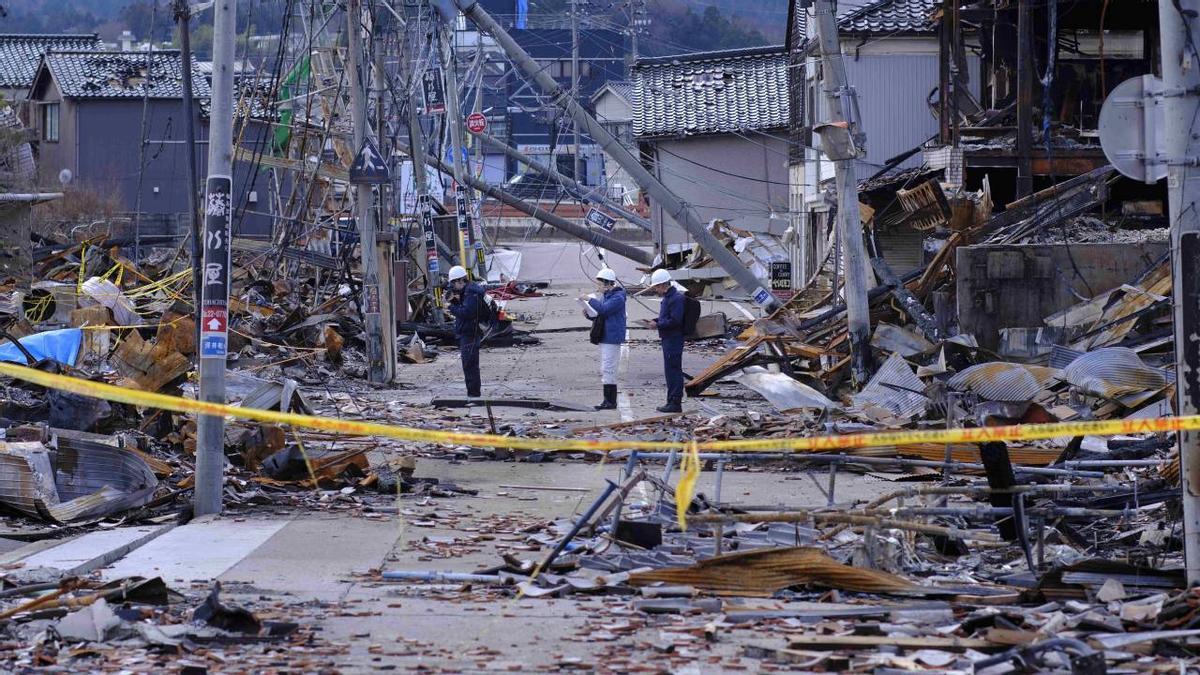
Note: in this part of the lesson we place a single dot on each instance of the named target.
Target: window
(50, 122)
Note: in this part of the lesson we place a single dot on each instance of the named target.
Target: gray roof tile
(123, 74)
(889, 16)
(21, 52)
(712, 92)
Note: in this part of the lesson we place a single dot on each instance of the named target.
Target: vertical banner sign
(463, 219)
(434, 91)
(431, 254)
(214, 311)
(781, 278)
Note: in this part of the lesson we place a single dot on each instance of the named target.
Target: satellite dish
(1132, 129)
(65, 176)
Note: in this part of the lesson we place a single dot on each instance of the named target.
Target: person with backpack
(608, 331)
(670, 325)
(468, 305)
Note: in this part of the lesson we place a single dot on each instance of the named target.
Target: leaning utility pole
(416, 136)
(578, 170)
(214, 298)
(841, 140)
(1179, 26)
(380, 367)
(672, 204)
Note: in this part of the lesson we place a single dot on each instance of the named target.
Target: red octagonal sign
(476, 123)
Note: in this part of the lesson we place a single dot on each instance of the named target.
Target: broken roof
(711, 92)
(21, 52)
(121, 74)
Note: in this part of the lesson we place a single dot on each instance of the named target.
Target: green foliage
(707, 31)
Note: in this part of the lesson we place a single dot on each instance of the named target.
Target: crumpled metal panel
(1002, 381)
(894, 388)
(76, 479)
(784, 392)
(1113, 372)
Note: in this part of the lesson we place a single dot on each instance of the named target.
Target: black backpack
(691, 314)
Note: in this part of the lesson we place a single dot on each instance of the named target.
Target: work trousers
(468, 350)
(610, 356)
(672, 348)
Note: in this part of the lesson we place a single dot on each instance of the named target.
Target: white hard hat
(659, 277)
(606, 274)
(457, 272)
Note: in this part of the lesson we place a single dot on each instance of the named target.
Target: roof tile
(123, 74)
(20, 53)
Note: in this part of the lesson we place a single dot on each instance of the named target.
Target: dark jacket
(670, 314)
(611, 310)
(468, 312)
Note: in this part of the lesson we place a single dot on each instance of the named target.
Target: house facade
(93, 110)
(713, 127)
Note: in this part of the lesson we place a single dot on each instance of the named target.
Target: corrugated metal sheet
(894, 389)
(1001, 381)
(1113, 372)
(785, 393)
(901, 248)
(77, 479)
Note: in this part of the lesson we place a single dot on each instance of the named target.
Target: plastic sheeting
(59, 345)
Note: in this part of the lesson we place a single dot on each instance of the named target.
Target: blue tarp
(60, 345)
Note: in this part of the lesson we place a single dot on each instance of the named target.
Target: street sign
(1133, 129)
(600, 219)
(761, 296)
(476, 123)
(369, 167)
(434, 92)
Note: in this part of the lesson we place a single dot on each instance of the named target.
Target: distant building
(21, 53)
(614, 110)
(713, 128)
(91, 112)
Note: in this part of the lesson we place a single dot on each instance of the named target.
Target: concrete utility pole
(412, 67)
(455, 121)
(672, 204)
(380, 367)
(214, 298)
(1179, 25)
(841, 140)
(578, 170)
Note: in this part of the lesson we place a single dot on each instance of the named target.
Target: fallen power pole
(580, 192)
(672, 204)
(1179, 27)
(213, 312)
(841, 140)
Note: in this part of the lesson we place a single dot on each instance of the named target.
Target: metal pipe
(583, 520)
(671, 203)
(443, 577)
(805, 516)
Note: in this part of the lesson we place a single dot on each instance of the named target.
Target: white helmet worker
(659, 277)
(606, 274)
(457, 272)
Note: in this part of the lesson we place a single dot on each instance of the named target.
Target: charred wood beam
(909, 304)
(1024, 100)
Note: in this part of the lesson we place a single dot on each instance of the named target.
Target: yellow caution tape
(881, 439)
(689, 469)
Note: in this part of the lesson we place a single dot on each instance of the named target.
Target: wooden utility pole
(381, 368)
(213, 312)
(841, 141)
(1179, 26)
(183, 16)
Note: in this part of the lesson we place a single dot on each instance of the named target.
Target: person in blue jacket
(670, 331)
(467, 306)
(610, 313)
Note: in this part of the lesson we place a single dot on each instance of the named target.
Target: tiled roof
(889, 16)
(123, 74)
(622, 88)
(713, 92)
(20, 54)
